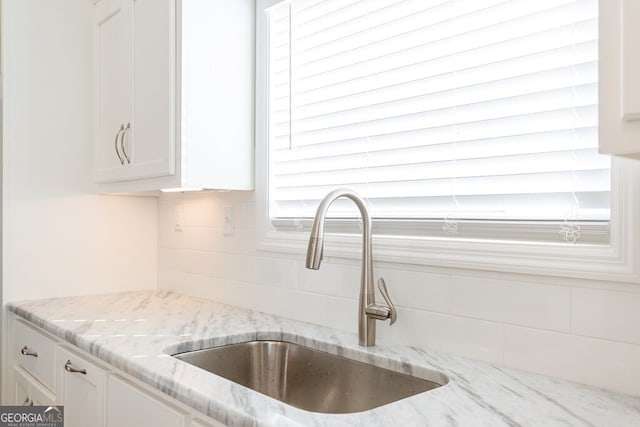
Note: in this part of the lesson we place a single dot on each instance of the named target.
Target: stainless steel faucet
(368, 310)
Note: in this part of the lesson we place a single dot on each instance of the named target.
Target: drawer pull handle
(69, 368)
(25, 351)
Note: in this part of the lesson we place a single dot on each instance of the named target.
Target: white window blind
(444, 111)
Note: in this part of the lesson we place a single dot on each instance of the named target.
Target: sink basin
(307, 378)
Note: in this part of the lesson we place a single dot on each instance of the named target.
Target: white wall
(581, 330)
(59, 238)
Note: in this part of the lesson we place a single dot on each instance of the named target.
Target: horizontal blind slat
(465, 105)
(487, 124)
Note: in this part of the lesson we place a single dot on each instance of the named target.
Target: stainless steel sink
(307, 378)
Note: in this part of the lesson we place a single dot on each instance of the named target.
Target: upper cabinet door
(154, 90)
(135, 94)
(114, 85)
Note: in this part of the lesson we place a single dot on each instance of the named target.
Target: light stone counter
(135, 332)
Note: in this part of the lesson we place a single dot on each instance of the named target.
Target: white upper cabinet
(619, 86)
(114, 44)
(173, 95)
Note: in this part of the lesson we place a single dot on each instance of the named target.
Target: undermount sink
(307, 378)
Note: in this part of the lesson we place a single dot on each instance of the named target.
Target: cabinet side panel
(217, 49)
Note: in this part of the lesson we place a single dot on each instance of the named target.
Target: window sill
(599, 262)
(616, 261)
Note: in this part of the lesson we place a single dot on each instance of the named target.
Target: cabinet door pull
(25, 351)
(69, 368)
(124, 151)
(116, 144)
(27, 402)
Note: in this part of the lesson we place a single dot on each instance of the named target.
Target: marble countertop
(136, 332)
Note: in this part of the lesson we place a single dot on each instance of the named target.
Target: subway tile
(241, 294)
(591, 361)
(201, 213)
(295, 305)
(252, 215)
(191, 284)
(476, 339)
(512, 302)
(225, 291)
(282, 302)
(184, 260)
(420, 290)
(241, 242)
(334, 279)
(193, 209)
(225, 266)
(171, 280)
(165, 259)
(274, 271)
(212, 288)
(342, 313)
(196, 238)
(606, 314)
(240, 214)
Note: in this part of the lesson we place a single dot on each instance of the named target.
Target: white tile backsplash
(272, 271)
(196, 238)
(473, 338)
(227, 266)
(342, 313)
(586, 331)
(423, 291)
(341, 280)
(606, 314)
(512, 302)
(596, 362)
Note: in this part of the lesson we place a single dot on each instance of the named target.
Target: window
(462, 120)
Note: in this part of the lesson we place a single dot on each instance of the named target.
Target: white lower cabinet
(44, 370)
(80, 388)
(130, 406)
(20, 387)
(34, 352)
(31, 358)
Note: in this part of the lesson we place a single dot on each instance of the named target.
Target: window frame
(618, 260)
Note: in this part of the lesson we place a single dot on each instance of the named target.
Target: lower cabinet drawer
(27, 391)
(35, 352)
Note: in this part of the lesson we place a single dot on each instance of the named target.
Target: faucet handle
(393, 313)
(379, 311)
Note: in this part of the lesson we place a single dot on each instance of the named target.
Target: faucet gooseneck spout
(368, 310)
